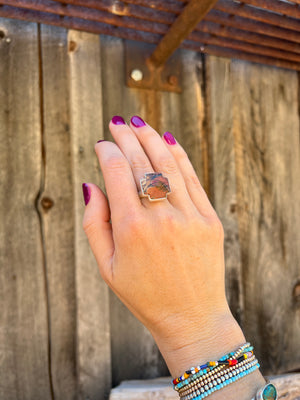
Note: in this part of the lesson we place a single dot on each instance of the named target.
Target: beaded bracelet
(229, 378)
(202, 380)
(228, 359)
(217, 373)
(224, 360)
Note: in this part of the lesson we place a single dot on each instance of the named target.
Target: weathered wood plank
(56, 208)
(222, 163)
(266, 132)
(24, 357)
(134, 352)
(93, 330)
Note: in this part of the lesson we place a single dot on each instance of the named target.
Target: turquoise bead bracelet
(231, 358)
(217, 385)
(217, 373)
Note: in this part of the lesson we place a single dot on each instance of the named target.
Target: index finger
(119, 182)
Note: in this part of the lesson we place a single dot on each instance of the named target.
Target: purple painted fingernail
(137, 121)
(169, 138)
(101, 140)
(117, 120)
(86, 193)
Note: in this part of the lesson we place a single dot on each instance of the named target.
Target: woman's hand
(163, 259)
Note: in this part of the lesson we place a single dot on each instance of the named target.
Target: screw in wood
(136, 75)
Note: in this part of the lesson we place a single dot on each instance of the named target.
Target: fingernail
(137, 121)
(117, 120)
(101, 140)
(86, 193)
(169, 138)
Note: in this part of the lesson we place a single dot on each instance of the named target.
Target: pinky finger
(193, 185)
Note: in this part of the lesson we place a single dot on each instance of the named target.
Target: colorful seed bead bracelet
(222, 382)
(215, 374)
(228, 359)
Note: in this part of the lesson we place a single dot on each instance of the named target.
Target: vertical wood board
(266, 132)
(24, 358)
(56, 208)
(93, 327)
(219, 98)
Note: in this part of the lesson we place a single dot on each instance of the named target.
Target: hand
(163, 259)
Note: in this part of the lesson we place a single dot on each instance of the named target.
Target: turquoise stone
(269, 392)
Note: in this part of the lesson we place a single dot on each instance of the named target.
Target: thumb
(97, 226)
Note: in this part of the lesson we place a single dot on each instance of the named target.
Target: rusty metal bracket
(142, 74)
(156, 70)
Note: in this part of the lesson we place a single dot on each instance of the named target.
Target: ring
(155, 186)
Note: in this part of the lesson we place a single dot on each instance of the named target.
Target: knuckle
(193, 180)
(216, 227)
(139, 162)
(168, 165)
(168, 222)
(116, 163)
(89, 227)
(132, 227)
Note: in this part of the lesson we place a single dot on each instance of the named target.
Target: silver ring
(155, 186)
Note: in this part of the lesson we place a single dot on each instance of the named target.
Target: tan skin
(164, 259)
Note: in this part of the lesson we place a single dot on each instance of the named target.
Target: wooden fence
(63, 334)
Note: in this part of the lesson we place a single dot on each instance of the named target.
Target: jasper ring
(155, 186)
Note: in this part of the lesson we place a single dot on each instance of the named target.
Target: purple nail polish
(117, 120)
(137, 121)
(101, 140)
(169, 138)
(86, 193)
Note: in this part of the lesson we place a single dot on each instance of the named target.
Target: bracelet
(215, 385)
(201, 381)
(213, 375)
(268, 392)
(228, 359)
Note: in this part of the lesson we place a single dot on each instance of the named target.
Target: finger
(119, 182)
(162, 161)
(193, 185)
(98, 228)
(131, 148)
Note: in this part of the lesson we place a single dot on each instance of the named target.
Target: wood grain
(222, 163)
(266, 134)
(56, 209)
(24, 358)
(92, 312)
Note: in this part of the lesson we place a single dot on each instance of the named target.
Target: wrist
(191, 344)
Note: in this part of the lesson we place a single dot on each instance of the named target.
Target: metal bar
(181, 28)
(123, 9)
(222, 52)
(246, 36)
(242, 10)
(77, 24)
(88, 14)
(166, 5)
(205, 38)
(291, 10)
(249, 25)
